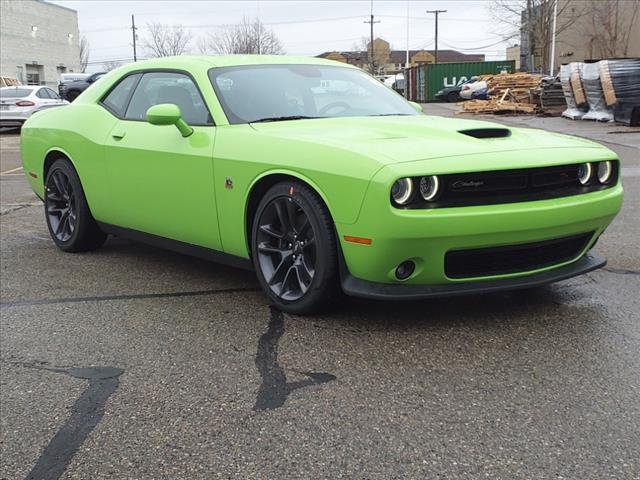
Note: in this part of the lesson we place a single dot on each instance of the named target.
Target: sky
(304, 27)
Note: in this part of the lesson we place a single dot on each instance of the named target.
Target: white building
(38, 41)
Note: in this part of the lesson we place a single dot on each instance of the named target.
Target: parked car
(317, 192)
(70, 90)
(452, 94)
(481, 94)
(469, 88)
(19, 103)
(9, 82)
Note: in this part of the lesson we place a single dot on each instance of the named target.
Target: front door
(161, 182)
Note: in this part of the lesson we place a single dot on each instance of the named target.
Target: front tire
(72, 95)
(70, 223)
(294, 249)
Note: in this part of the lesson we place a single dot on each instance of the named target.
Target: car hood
(398, 139)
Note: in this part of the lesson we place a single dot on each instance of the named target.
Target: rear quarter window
(117, 99)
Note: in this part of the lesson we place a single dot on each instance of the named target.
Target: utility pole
(371, 59)
(406, 60)
(553, 39)
(437, 12)
(133, 32)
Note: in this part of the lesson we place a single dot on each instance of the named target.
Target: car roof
(28, 87)
(183, 61)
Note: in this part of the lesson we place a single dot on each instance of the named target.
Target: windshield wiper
(280, 119)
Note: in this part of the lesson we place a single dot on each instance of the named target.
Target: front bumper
(382, 291)
(425, 236)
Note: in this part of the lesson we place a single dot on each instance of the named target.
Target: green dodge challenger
(319, 178)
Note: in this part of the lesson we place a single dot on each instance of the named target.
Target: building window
(35, 75)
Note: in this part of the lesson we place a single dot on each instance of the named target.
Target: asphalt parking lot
(133, 362)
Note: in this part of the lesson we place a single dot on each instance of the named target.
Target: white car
(468, 89)
(19, 103)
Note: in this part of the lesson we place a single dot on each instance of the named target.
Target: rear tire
(294, 249)
(453, 97)
(70, 223)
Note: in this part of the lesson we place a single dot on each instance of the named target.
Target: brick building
(389, 61)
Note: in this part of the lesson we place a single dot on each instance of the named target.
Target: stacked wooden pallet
(519, 84)
(510, 93)
(496, 106)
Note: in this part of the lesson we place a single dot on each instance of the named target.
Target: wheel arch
(53, 154)
(261, 184)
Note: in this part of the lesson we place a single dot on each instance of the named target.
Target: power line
(223, 25)
(474, 48)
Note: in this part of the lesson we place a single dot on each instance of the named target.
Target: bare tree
(111, 65)
(378, 54)
(84, 53)
(246, 37)
(166, 40)
(532, 22)
(609, 27)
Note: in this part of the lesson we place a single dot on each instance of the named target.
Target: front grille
(482, 262)
(509, 186)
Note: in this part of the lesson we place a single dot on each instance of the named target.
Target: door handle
(118, 134)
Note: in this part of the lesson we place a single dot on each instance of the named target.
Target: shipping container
(424, 81)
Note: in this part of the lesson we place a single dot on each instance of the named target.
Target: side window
(42, 93)
(52, 94)
(167, 87)
(117, 99)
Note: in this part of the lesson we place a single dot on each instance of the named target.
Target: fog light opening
(405, 270)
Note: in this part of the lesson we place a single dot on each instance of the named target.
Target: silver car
(19, 103)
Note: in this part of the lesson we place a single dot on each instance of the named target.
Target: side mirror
(416, 106)
(168, 114)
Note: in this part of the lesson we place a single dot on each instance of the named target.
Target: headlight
(605, 172)
(429, 187)
(584, 173)
(402, 190)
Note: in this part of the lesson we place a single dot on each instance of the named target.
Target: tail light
(25, 103)
(466, 87)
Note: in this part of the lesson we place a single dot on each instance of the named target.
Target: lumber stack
(505, 104)
(519, 85)
(510, 93)
(620, 84)
(551, 96)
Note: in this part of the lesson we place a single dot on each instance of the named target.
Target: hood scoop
(486, 132)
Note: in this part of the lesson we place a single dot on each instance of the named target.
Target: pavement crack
(12, 207)
(621, 271)
(86, 413)
(133, 296)
(275, 389)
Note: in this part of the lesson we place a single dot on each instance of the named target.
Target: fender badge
(228, 183)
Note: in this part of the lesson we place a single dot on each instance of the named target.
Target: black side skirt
(382, 291)
(177, 246)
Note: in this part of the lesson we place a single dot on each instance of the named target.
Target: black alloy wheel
(286, 248)
(69, 220)
(453, 97)
(61, 206)
(294, 249)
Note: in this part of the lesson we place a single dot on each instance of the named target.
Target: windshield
(281, 92)
(15, 92)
